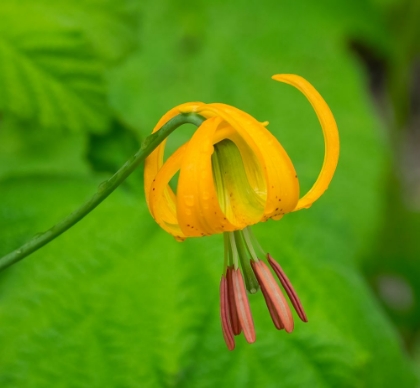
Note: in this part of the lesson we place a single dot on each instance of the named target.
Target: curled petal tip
(283, 77)
(331, 138)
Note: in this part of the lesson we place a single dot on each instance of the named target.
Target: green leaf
(109, 25)
(36, 151)
(53, 60)
(116, 302)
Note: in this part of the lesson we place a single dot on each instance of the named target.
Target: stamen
(278, 301)
(273, 313)
(287, 285)
(242, 306)
(224, 315)
(234, 320)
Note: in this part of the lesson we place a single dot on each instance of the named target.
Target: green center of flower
(239, 182)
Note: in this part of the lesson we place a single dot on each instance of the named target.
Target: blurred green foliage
(116, 302)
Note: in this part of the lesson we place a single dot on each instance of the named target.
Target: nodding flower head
(233, 173)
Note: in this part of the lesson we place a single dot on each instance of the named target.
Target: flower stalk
(104, 189)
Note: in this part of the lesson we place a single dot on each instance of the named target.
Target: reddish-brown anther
(271, 308)
(287, 285)
(224, 314)
(278, 301)
(234, 319)
(242, 306)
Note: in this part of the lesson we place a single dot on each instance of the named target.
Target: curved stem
(104, 189)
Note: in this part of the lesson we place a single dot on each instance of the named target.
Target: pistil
(250, 280)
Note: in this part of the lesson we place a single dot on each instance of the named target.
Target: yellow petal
(198, 208)
(155, 160)
(162, 200)
(280, 176)
(331, 139)
(243, 203)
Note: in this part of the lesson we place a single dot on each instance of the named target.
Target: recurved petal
(331, 139)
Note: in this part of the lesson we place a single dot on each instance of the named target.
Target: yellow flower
(233, 173)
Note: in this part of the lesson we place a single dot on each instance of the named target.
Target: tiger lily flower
(233, 173)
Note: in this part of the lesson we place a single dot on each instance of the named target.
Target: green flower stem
(234, 251)
(227, 252)
(104, 189)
